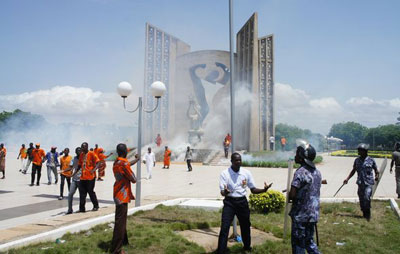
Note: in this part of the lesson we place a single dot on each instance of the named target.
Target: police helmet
(307, 152)
(397, 146)
(362, 146)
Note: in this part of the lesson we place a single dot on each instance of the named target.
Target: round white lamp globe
(158, 89)
(124, 89)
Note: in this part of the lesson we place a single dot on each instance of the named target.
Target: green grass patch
(154, 232)
(354, 153)
(274, 164)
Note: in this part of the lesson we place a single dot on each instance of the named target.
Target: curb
(395, 207)
(79, 226)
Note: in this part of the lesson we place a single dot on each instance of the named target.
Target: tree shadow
(105, 245)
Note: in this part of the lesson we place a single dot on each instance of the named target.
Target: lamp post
(124, 90)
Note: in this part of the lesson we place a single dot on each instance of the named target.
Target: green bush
(270, 201)
(354, 153)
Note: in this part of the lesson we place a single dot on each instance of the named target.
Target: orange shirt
(65, 165)
(102, 156)
(23, 153)
(123, 177)
(4, 151)
(97, 151)
(88, 163)
(283, 141)
(38, 155)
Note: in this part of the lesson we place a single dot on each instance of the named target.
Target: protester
(23, 156)
(226, 148)
(364, 165)
(305, 194)
(88, 163)
(396, 162)
(233, 183)
(103, 164)
(29, 159)
(150, 161)
(3, 153)
(283, 143)
(96, 149)
(167, 157)
(158, 140)
(122, 196)
(76, 177)
(38, 156)
(52, 164)
(65, 172)
(188, 158)
(271, 143)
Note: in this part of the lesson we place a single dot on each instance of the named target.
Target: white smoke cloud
(296, 107)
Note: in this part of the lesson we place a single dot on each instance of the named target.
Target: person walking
(188, 158)
(88, 163)
(29, 158)
(52, 164)
(65, 172)
(3, 153)
(305, 196)
(396, 162)
(158, 140)
(103, 164)
(150, 161)
(232, 184)
(283, 143)
(364, 165)
(38, 156)
(167, 157)
(76, 177)
(122, 196)
(22, 156)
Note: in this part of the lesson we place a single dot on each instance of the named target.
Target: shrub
(275, 164)
(354, 153)
(270, 201)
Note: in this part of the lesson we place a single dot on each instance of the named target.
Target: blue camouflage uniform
(365, 181)
(305, 209)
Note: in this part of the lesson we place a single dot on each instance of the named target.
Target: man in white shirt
(272, 142)
(150, 161)
(233, 183)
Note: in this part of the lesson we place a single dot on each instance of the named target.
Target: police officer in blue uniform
(364, 165)
(305, 194)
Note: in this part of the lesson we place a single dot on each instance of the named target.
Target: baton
(338, 190)
(316, 234)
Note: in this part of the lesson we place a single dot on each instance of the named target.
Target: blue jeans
(54, 170)
(74, 186)
(302, 238)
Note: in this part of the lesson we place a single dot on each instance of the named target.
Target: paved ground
(26, 210)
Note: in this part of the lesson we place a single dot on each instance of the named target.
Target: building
(204, 76)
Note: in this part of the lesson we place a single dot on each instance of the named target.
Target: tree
(18, 121)
(350, 132)
(398, 119)
(383, 137)
(291, 133)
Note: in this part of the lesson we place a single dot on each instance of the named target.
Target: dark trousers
(240, 208)
(63, 178)
(36, 169)
(302, 238)
(364, 195)
(120, 237)
(189, 165)
(85, 187)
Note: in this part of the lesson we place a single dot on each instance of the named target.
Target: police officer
(364, 165)
(396, 162)
(233, 183)
(304, 194)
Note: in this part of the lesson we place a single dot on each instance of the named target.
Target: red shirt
(88, 163)
(123, 177)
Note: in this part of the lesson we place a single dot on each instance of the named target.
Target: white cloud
(295, 106)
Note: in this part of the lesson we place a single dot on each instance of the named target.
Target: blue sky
(336, 48)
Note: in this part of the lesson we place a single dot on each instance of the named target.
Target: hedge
(270, 201)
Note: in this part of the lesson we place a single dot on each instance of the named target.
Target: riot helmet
(306, 151)
(362, 146)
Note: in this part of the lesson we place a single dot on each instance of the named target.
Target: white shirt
(150, 158)
(272, 139)
(236, 182)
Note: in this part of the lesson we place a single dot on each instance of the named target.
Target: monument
(203, 76)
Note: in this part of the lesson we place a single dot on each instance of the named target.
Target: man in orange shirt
(96, 149)
(103, 165)
(66, 171)
(122, 196)
(167, 158)
(283, 143)
(3, 153)
(88, 163)
(38, 158)
(23, 156)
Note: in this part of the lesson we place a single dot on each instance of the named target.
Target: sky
(335, 60)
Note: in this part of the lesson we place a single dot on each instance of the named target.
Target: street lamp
(124, 89)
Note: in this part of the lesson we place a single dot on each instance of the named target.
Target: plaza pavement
(26, 210)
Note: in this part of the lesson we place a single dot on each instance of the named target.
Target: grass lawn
(154, 232)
